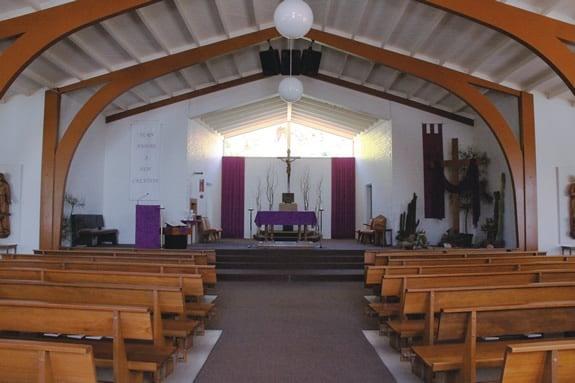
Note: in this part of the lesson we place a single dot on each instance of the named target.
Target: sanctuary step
(259, 264)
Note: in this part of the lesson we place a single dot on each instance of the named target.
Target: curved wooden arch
(545, 36)
(462, 85)
(36, 32)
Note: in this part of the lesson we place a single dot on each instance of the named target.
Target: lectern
(148, 227)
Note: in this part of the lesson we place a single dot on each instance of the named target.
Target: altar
(285, 218)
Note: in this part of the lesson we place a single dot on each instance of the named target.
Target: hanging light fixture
(290, 89)
(293, 18)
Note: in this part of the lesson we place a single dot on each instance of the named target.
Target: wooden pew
(160, 300)
(384, 259)
(118, 322)
(432, 301)
(374, 274)
(395, 285)
(208, 272)
(203, 256)
(191, 284)
(539, 362)
(99, 258)
(464, 325)
(477, 260)
(402, 331)
(370, 255)
(34, 361)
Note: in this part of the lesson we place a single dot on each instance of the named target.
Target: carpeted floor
(292, 332)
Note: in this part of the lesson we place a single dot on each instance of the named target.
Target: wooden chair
(35, 361)
(374, 231)
(208, 233)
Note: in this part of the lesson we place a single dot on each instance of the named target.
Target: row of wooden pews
(452, 315)
(137, 312)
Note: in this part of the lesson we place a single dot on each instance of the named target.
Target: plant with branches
(305, 186)
(259, 195)
(271, 183)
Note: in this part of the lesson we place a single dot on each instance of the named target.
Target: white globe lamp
(290, 89)
(293, 18)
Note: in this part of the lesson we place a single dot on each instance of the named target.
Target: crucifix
(455, 165)
(289, 159)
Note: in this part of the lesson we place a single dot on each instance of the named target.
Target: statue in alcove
(5, 201)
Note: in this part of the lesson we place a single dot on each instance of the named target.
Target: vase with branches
(70, 202)
(305, 186)
(271, 183)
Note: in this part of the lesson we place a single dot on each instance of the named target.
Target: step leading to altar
(289, 264)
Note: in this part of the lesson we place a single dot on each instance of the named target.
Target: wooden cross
(455, 164)
(288, 160)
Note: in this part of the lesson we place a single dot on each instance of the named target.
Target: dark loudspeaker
(295, 62)
(270, 61)
(310, 61)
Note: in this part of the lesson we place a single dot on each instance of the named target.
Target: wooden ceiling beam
(184, 97)
(394, 98)
(37, 31)
(546, 37)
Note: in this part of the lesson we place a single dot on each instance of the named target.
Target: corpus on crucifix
(288, 161)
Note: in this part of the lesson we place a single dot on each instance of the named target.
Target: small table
(565, 248)
(6, 248)
(270, 218)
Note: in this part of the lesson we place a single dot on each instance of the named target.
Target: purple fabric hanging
(148, 228)
(342, 198)
(233, 180)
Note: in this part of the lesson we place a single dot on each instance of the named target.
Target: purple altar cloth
(285, 218)
(148, 223)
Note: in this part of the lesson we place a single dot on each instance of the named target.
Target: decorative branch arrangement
(305, 185)
(271, 183)
(259, 195)
(319, 199)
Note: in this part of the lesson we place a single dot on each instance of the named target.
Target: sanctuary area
(287, 190)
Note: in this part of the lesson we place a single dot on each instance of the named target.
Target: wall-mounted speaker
(295, 62)
(270, 61)
(310, 61)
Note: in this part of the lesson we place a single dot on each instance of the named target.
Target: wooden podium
(148, 227)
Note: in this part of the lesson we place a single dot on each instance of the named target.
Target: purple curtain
(342, 198)
(233, 171)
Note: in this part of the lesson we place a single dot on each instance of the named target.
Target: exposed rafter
(38, 30)
(545, 36)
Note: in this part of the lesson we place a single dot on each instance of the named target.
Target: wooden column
(527, 121)
(49, 144)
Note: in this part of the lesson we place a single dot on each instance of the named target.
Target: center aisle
(292, 332)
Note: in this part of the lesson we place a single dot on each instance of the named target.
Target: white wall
(21, 125)
(119, 211)
(319, 169)
(555, 133)
(86, 178)
(205, 150)
(373, 158)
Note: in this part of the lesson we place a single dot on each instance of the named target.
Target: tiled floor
(203, 345)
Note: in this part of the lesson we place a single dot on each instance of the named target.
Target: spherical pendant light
(290, 89)
(293, 18)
